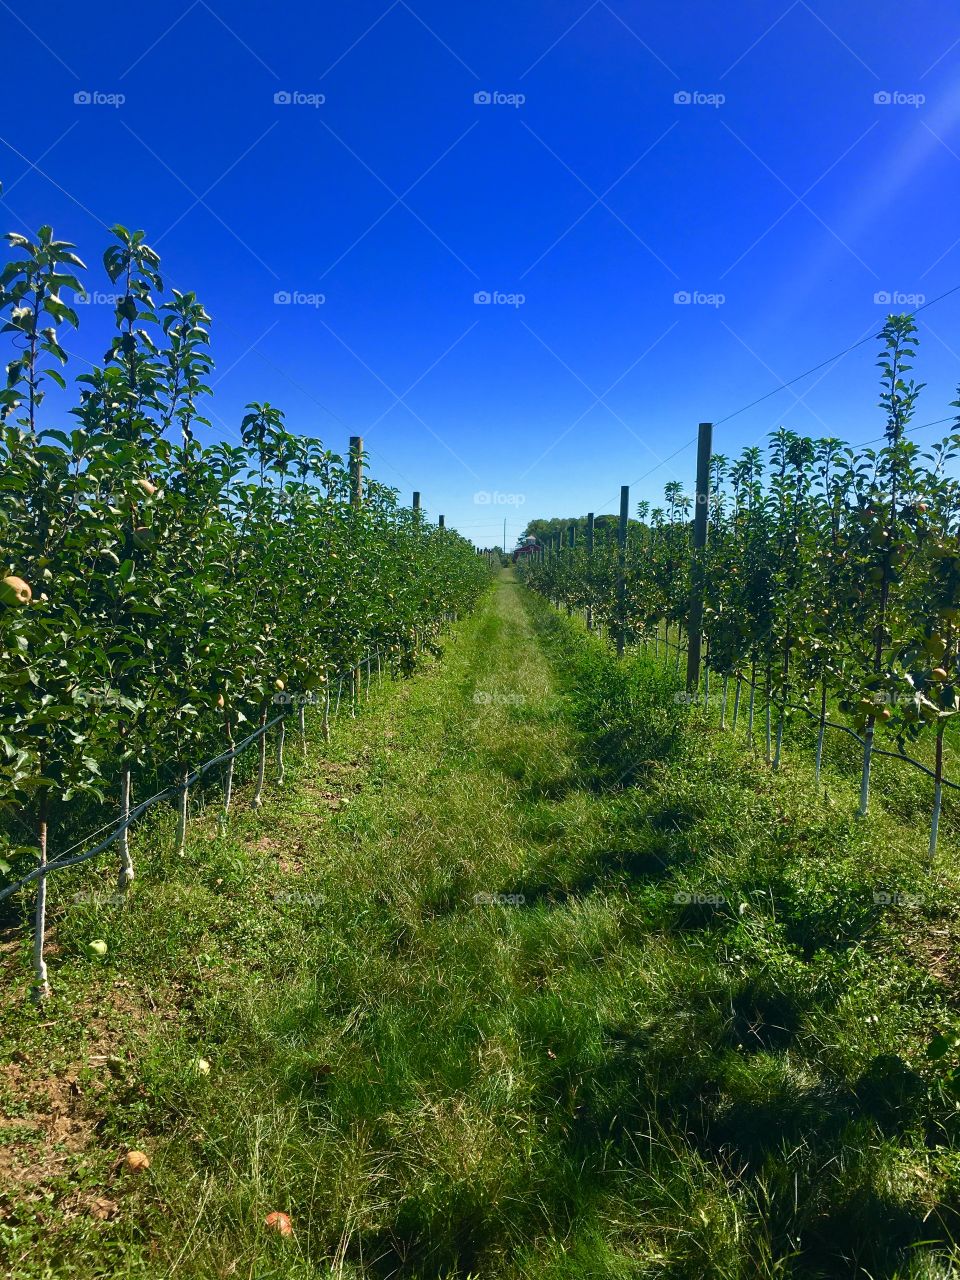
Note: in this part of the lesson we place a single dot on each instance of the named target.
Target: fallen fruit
(97, 947)
(201, 1066)
(136, 1161)
(14, 591)
(278, 1222)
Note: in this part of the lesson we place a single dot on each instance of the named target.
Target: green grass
(683, 1040)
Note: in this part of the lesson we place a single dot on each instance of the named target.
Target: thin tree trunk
(257, 800)
(302, 724)
(753, 700)
(738, 688)
(821, 729)
(281, 739)
(42, 985)
(228, 780)
(326, 711)
(183, 801)
(867, 762)
(937, 798)
(126, 862)
(723, 708)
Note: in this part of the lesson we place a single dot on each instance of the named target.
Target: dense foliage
(159, 594)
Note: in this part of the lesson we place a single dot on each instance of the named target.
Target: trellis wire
(181, 791)
(823, 723)
(175, 790)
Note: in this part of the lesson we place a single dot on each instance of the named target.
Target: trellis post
(589, 567)
(622, 569)
(700, 525)
(356, 501)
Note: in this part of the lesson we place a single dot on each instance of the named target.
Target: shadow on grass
(609, 870)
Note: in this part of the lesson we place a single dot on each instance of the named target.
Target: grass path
(469, 1013)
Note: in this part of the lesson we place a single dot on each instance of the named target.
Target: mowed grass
(529, 974)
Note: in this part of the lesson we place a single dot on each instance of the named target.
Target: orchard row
(831, 574)
(160, 596)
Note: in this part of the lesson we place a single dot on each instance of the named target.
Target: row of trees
(159, 597)
(830, 572)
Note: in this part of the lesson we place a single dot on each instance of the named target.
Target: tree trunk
(126, 862)
(257, 800)
(42, 986)
(183, 802)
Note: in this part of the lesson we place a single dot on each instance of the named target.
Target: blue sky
(778, 193)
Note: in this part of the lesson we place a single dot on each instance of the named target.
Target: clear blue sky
(598, 198)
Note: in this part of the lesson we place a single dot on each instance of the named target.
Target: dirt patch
(37, 1146)
(937, 950)
(50, 1112)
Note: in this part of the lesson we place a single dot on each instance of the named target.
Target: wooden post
(590, 566)
(356, 471)
(441, 522)
(701, 518)
(571, 543)
(356, 501)
(622, 569)
(416, 500)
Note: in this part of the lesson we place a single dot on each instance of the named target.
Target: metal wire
(62, 860)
